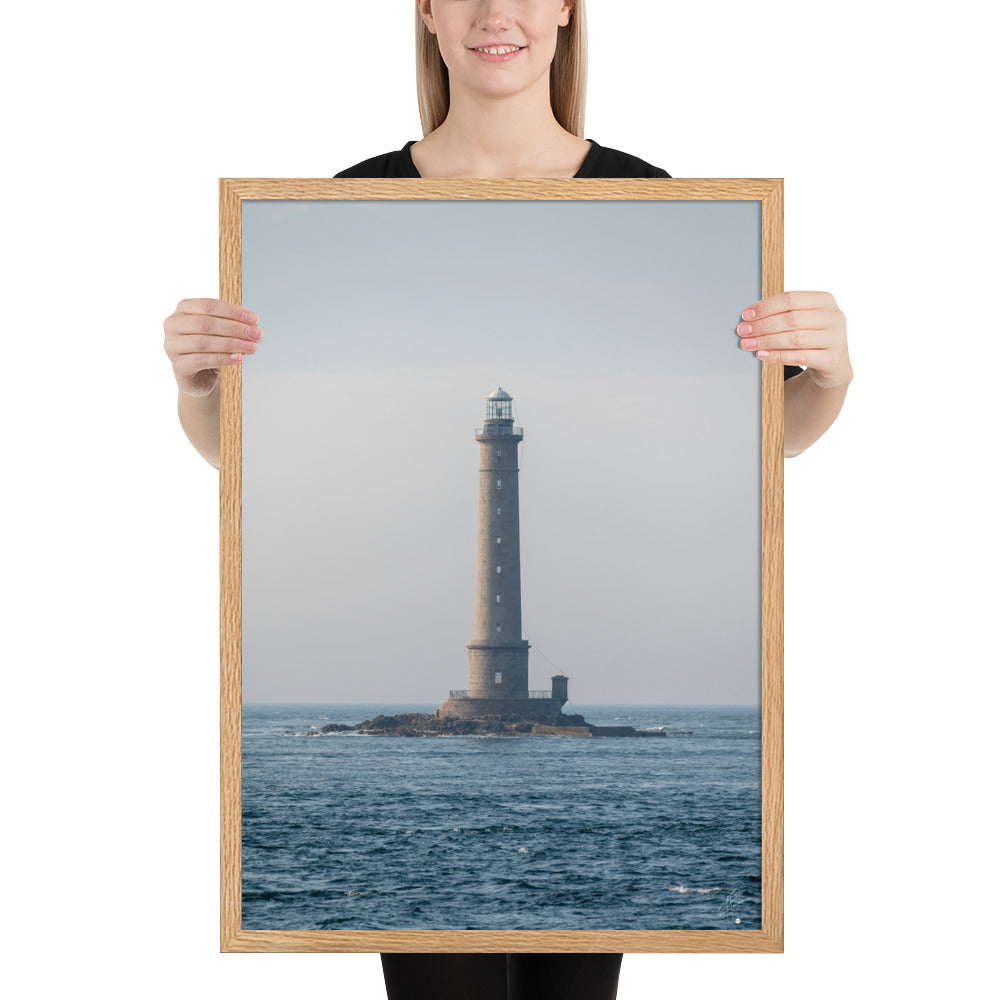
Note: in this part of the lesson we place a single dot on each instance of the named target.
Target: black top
(600, 161)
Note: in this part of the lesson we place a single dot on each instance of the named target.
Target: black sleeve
(791, 371)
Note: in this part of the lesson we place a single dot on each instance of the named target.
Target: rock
(411, 724)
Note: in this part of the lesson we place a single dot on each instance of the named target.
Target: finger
(231, 337)
(216, 346)
(794, 319)
(216, 307)
(805, 359)
(804, 340)
(204, 323)
(205, 334)
(786, 301)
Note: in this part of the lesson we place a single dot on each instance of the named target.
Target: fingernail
(744, 328)
(254, 332)
(749, 313)
(235, 357)
(748, 345)
(249, 317)
(249, 347)
(763, 354)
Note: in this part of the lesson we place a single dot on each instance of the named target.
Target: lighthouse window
(498, 510)
(498, 598)
(498, 628)
(498, 569)
(498, 541)
(497, 677)
(499, 452)
(499, 484)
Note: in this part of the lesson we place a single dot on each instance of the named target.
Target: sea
(352, 831)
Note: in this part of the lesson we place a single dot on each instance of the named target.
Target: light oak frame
(769, 192)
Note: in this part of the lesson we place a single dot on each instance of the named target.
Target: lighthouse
(498, 654)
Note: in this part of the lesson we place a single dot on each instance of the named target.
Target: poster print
(501, 600)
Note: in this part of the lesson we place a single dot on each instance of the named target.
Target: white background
(119, 118)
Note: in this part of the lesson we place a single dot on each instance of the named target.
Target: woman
(501, 89)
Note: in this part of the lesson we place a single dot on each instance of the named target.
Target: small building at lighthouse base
(540, 706)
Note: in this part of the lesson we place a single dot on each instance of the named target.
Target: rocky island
(425, 724)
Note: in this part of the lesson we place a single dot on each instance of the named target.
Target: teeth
(502, 50)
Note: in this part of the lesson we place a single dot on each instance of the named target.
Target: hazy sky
(612, 324)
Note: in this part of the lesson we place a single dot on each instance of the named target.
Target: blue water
(481, 832)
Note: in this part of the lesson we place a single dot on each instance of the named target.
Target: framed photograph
(501, 568)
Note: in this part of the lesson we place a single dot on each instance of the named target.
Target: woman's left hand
(800, 328)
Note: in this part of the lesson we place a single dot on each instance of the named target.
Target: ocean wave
(686, 889)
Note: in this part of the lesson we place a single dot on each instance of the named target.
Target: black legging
(461, 976)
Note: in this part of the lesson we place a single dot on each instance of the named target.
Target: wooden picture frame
(768, 195)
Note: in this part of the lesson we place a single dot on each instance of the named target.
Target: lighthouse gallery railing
(498, 430)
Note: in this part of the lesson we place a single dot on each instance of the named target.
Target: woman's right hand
(203, 335)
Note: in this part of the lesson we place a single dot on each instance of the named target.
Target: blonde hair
(567, 76)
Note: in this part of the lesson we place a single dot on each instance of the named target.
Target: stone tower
(498, 656)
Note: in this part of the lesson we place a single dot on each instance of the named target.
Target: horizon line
(599, 704)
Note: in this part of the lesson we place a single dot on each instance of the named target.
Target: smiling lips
(497, 53)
